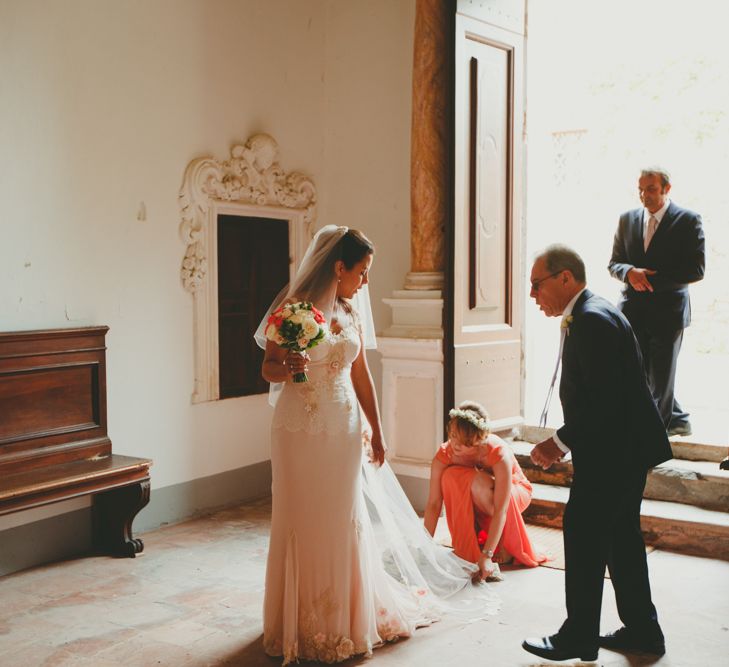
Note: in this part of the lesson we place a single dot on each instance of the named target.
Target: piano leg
(114, 512)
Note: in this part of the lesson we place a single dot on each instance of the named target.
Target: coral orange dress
(465, 520)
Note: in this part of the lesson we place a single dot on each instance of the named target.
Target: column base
(416, 314)
(424, 280)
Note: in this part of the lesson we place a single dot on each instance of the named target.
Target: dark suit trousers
(660, 356)
(602, 528)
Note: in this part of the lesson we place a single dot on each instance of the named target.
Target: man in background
(658, 251)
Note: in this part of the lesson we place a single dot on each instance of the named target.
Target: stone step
(672, 526)
(690, 448)
(698, 483)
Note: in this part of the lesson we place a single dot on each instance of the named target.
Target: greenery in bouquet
(297, 327)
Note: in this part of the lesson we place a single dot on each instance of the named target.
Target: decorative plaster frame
(250, 183)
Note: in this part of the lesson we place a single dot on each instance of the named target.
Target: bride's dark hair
(353, 247)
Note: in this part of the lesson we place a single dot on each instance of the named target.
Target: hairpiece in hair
(472, 417)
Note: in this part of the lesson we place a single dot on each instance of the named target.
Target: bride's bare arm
(435, 496)
(280, 364)
(365, 390)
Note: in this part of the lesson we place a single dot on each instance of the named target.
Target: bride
(350, 565)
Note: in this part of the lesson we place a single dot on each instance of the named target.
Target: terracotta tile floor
(194, 598)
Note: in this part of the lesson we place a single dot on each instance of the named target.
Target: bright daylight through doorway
(611, 88)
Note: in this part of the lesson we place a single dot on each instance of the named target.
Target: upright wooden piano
(53, 435)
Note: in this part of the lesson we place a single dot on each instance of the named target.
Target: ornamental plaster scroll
(252, 175)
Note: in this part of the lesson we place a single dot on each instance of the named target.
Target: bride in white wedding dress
(350, 565)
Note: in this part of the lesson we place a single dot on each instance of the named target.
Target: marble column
(429, 144)
(412, 347)
(417, 309)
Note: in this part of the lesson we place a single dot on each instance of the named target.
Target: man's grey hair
(657, 171)
(558, 257)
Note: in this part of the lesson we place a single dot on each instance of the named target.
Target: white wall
(105, 103)
(368, 89)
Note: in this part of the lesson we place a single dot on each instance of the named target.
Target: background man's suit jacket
(610, 418)
(677, 254)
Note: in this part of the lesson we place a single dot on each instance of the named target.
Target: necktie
(650, 230)
(545, 411)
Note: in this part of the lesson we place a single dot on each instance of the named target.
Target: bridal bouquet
(298, 327)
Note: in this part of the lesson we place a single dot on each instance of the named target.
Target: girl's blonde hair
(470, 420)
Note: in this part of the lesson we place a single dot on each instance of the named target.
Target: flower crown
(472, 417)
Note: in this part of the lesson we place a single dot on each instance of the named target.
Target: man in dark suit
(658, 250)
(615, 434)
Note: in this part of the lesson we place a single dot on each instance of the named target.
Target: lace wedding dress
(350, 565)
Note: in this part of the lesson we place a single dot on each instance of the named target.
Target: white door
(484, 290)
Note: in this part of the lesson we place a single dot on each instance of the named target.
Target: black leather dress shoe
(628, 641)
(555, 648)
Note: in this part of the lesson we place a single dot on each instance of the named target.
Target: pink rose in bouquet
(297, 327)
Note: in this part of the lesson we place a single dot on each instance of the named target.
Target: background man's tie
(650, 230)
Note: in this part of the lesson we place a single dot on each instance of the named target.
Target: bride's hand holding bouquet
(297, 327)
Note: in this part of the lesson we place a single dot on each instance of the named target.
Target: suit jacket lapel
(576, 311)
(666, 222)
(637, 229)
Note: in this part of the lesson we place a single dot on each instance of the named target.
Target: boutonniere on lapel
(566, 321)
